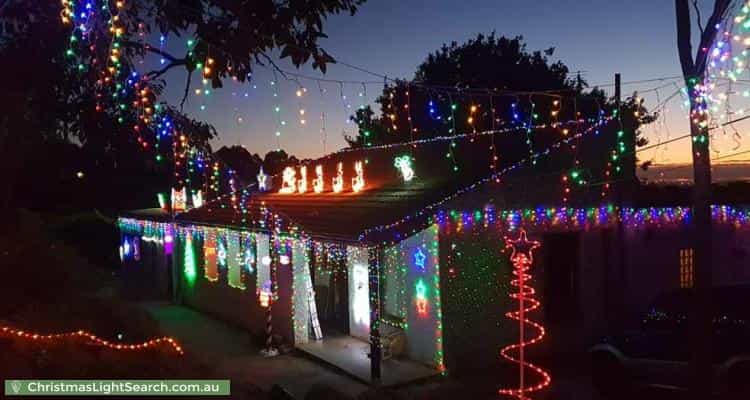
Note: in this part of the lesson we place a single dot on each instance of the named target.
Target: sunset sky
(389, 37)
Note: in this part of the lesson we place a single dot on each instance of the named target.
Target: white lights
(289, 181)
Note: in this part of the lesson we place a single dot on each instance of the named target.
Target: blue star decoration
(419, 259)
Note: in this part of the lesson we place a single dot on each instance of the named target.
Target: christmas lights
(302, 182)
(262, 180)
(522, 257)
(91, 339)
(179, 199)
(289, 181)
(404, 166)
(338, 180)
(318, 182)
(419, 259)
(358, 182)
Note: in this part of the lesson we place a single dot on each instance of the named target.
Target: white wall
(359, 293)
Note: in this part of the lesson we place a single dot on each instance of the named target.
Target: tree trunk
(701, 332)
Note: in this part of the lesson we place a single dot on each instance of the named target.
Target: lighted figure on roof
(338, 180)
(162, 201)
(302, 181)
(197, 199)
(522, 257)
(318, 182)
(289, 181)
(262, 180)
(358, 182)
(179, 199)
(404, 166)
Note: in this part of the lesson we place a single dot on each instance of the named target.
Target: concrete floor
(231, 352)
(350, 355)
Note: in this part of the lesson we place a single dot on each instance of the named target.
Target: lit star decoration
(522, 257)
(262, 179)
(419, 259)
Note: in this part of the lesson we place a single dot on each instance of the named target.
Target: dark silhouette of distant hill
(683, 173)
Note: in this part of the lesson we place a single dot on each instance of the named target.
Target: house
(390, 263)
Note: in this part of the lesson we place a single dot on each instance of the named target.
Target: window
(686, 268)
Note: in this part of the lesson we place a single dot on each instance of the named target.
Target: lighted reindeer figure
(522, 257)
(338, 180)
(318, 182)
(289, 181)
(302, 181)
(358, 182)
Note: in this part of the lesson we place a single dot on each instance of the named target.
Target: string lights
(92, 339)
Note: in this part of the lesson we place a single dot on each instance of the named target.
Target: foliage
(57, 96)
(492, 82)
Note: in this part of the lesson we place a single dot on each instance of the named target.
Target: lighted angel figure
(302, 181)
(338, 180)
(289, 181)
(358, 182)
(318, 182)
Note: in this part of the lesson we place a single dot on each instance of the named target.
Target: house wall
(611, 287)
(231, 303)
(359, 293)
(412, 291)
(475, 276)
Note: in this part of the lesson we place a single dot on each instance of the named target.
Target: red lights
(91, 339)
(522, 258)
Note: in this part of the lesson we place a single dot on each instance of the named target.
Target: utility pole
(621, 275)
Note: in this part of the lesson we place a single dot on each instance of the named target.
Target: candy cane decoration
(522, 257)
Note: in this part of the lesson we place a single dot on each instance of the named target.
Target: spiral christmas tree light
(522, 258)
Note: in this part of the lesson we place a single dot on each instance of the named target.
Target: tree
(489, 83)
(694, 71)
(77, 79)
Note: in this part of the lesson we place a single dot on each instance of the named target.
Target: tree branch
(187, 89)
(684, 47)
(157, 73)
(273, 64)
(698, 16)
(721, 7)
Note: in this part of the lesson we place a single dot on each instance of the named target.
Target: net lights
(522, 257)
(92, 339)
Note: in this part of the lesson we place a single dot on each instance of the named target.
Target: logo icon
(16, 386)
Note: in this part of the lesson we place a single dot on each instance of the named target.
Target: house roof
(443, 168)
